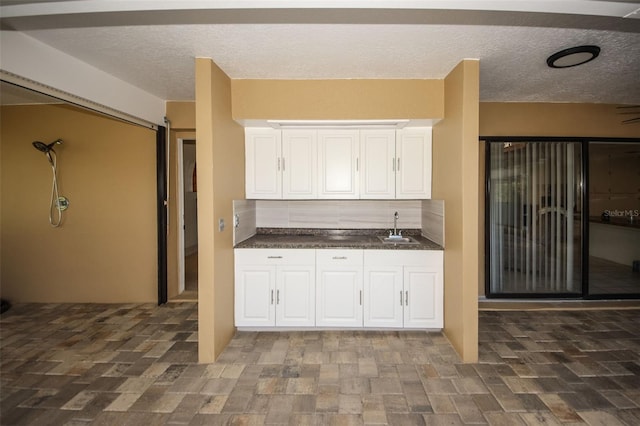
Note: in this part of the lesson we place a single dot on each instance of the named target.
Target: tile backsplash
(338, 214)
(244, 211)
(433, 220)
(427, 215)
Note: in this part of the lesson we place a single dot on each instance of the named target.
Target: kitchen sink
(397, 240)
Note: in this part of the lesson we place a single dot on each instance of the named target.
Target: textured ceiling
(512, 52)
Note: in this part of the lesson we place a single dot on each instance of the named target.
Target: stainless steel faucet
(396, 216)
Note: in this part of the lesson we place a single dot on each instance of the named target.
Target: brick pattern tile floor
(89, 364)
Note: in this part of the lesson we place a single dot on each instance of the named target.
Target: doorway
(187, 219)
(562, 218)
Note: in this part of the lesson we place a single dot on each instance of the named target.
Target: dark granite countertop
(286, 238)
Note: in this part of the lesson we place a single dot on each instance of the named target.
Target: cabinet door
(263, 152)
(299, 164)
(383, 296)
(339, 288)
(338, 164)
(413, 163)
(295, 296)
(377, 164)
(423, 297)
(254, 297)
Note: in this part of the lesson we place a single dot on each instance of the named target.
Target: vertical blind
(534, 218)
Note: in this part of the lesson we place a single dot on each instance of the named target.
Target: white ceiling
(153, 45)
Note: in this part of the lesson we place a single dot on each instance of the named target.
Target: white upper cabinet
(263, 163)
(338, 163)
(377, 170)
(413, 163)
(281, 164)
(299, 164)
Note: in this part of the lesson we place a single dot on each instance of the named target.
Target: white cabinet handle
(283, 164)
(406, 298)
(398, 169)
(393, 164)
(278, 164)
(340, 257)
(274, 257)
(357, 163)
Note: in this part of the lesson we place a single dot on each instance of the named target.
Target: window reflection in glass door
(534, 222)
(614, 218)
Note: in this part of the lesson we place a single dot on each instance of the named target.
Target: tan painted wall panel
(545, 119)
(220, 157)
(337, 99)
(204, 159)
(181, 114)
(455, 180)
(105, 251)
(228, 185)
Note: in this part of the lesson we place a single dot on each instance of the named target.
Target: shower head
(47, 149)
(43, 147)
(40, 146)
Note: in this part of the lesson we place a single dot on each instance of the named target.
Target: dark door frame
(162, 213)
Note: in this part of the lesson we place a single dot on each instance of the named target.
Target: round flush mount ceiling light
(573, 56)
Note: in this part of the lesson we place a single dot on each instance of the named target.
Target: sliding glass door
(534, 221)
(614, 218)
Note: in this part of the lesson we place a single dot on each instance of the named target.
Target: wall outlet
(221, 225)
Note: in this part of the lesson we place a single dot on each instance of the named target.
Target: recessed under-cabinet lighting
(337, 123)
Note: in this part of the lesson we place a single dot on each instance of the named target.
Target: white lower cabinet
(339, 288)
(403, 289)
(348, 288)
(274, 287)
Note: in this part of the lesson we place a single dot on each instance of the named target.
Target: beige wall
(105, 251)
(220, 158)
(544, 119)
(182, 115)
(455, 180)
(337, 99)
